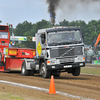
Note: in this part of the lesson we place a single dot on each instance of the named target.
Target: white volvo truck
(58, 49)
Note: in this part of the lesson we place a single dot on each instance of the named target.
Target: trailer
(11, 59)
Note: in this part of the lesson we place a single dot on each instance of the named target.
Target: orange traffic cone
(52, 86)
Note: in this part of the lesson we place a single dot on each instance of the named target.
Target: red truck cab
(12, 58)
(4, 40)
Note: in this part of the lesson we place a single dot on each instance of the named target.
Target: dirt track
(84, 86)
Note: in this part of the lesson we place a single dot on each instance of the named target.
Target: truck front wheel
(76, 71)
(56, 74)
(44, 72)
(24, 72)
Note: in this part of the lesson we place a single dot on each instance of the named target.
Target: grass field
(90, 70)
(9, 96)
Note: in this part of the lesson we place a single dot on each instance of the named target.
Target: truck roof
(3, 25)
(60, 28)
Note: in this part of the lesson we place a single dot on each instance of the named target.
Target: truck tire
(56, 74)
(76, 71)
(44, 72)
(24, 72)
(31, 73)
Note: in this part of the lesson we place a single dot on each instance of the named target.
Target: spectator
(20, 46)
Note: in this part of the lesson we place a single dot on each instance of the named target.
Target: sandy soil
(84, 86)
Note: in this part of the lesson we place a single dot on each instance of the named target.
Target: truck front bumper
(65, 66)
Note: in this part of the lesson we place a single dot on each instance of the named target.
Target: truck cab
(60, 49)
(4, 42)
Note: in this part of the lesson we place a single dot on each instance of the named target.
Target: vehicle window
(3, 35)
(61, 36)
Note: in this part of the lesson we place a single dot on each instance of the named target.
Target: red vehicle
(11, 58)
(4, 41)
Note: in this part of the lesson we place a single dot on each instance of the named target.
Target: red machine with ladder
(11, 59)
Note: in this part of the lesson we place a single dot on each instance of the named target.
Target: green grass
(9, 96)
(16, 98)
(89, 70)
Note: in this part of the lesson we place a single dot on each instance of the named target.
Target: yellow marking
(33, 52)
(39, 48)
(6, 51)
(12, 52)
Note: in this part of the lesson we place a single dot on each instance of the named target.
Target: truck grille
(62, 52)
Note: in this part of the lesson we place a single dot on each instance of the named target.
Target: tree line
(90, 31)
(0, 21)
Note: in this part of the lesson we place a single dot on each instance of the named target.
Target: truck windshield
(3, 35)
(64, 37)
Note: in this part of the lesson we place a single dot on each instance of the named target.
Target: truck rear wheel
(24, 72)
(76, 71)
(31, 73)
(56, 74)
(44, 72)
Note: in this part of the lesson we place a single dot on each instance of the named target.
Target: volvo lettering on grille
(66, 60)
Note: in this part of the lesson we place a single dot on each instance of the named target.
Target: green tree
(43, 24)
(90, 30)
(25, 29)
(21, 28)
(64, 23)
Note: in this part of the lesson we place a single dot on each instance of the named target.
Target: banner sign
(18, 38)
(96, 62)
(29, 38)
(33, 38)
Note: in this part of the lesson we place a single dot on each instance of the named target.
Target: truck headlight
(81, 59)
(51, 62)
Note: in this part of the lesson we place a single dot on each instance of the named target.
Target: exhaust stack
(53, 4)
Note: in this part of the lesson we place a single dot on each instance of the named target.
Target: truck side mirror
(43, 38)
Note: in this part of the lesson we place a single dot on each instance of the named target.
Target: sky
(18, 11)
